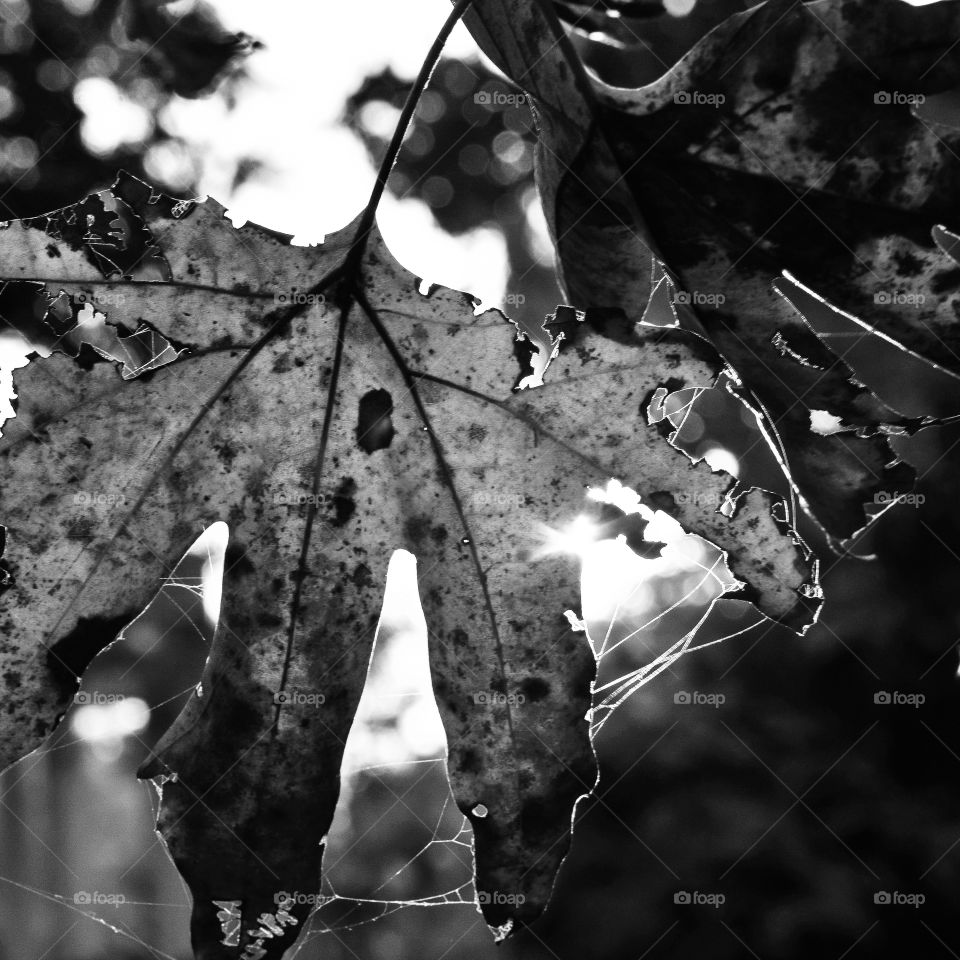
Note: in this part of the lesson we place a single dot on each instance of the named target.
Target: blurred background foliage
(62, 62)
(797, 799)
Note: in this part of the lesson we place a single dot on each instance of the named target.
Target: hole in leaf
(375, 429)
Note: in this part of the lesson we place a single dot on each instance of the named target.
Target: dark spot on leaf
(417, 528)
(585, 355)
(344, 506)
(907, 264)
(227, 452)
(362, 575)
(375, 429)
(535, 689)
(471, 761)
(236, 561)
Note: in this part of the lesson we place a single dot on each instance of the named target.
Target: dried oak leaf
(327, 438)
(786, 140)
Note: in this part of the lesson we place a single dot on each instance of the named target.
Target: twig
(358, 246)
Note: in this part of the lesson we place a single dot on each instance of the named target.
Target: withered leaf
(789, 139)
(329, 424)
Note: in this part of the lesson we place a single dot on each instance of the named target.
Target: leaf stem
(358, 246)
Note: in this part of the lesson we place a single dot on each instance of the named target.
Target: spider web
(630, 604)
(640, 616)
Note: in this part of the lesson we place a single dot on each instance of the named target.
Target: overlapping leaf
(327, 429)
(785, 140)
(603, 250)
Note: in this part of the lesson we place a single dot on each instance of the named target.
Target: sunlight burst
(578, 537)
